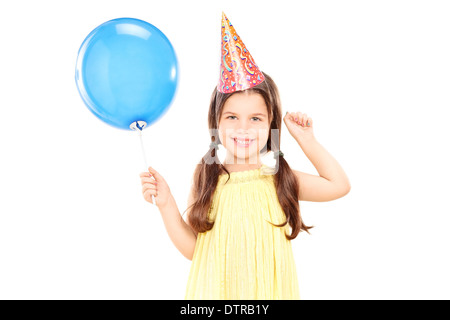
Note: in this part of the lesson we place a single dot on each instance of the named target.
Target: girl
(240, 222)
(241, 215)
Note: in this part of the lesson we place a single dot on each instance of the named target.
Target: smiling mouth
(243, 142)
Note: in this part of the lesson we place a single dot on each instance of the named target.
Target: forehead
(245, 103)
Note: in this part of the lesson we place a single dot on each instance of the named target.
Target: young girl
(240, 220)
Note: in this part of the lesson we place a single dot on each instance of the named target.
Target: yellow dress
(244, 256)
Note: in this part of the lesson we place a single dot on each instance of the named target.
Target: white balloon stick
(139, 126)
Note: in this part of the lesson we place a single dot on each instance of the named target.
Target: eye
(257, 119)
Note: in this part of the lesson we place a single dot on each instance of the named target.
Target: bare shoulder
(316, 188)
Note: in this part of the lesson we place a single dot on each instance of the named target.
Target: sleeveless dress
(244, 256)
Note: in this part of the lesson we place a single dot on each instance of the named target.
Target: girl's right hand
(153, 184)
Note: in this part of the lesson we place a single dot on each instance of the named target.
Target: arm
(181, 234)
(332, 182)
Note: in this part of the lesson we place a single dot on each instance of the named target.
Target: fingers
(149, 185)
(149, 190)
(154, 173)
(148, 196)
(301, 119)
(147, 177)
(148, 180)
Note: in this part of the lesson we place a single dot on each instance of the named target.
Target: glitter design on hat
(238, 70)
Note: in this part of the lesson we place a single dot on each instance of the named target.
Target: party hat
(238, 70)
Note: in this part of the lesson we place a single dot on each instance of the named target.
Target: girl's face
(244, 127)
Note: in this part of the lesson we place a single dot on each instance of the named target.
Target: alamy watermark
(238, 154)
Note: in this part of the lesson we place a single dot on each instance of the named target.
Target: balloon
(127, 71)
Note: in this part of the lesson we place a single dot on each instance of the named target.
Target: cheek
(263, 135)
(222, 131)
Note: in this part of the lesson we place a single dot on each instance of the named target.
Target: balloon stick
(138, 126)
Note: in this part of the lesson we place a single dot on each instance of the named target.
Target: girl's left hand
(299, 125)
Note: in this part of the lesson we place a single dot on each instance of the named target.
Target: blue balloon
(127, 71)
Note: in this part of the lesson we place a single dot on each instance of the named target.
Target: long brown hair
(207, 172)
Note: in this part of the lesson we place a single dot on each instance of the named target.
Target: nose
(243, 125)
(246, 131)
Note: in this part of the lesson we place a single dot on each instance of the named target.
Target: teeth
(243, 141)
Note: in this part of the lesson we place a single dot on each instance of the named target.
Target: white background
(373, 75)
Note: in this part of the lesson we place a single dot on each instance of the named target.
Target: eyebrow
(254, 114)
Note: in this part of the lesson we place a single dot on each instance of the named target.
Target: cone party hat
(238, 70)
